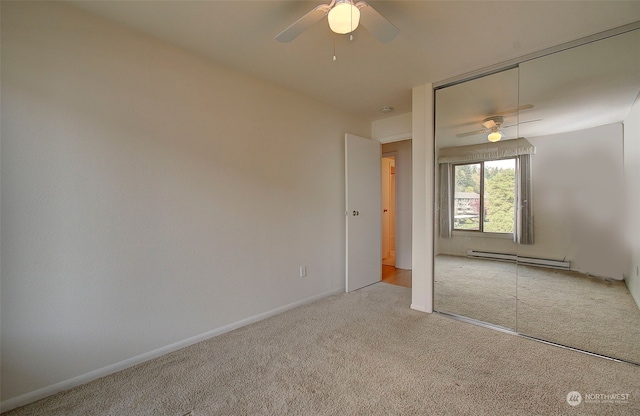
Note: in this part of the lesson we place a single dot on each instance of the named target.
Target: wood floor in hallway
(400, 277)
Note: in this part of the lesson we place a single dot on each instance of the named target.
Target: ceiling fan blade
(304, 23)
(514, 110)
(521, 122)
(489, 123)
(530, 121)
(471, 133)
(373, 21)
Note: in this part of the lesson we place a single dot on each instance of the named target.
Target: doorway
(388, 175)
(396, 212)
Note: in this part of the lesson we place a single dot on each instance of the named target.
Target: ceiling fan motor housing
(492, 122)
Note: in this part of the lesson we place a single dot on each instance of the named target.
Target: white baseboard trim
(41, 393)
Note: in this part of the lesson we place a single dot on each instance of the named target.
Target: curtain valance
(486, 151)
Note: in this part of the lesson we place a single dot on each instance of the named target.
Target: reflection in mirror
(586, 140)
(475, 198)
(565, 267)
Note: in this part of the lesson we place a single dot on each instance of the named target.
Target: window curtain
(520, 149)
(524, 194)
(446, 189)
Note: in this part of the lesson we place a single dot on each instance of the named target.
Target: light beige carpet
(480, 289)
(362, 353)
(560, 306)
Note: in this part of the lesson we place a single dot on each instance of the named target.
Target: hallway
(400, 277)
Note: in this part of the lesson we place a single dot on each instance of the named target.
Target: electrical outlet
(303, 271)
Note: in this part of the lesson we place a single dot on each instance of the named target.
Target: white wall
(402, 150)
(149, 197)
(632, 173)
(577, 200)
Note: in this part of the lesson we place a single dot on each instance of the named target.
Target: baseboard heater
(528, 261)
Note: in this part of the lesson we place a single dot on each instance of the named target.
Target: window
(496, 197)
(484, 196)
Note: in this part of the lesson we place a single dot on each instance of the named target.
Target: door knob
(356, 213)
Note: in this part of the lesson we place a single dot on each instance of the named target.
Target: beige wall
(391, 129)
(150, 198)
(422, 249)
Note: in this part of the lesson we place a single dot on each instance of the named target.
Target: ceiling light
(344, 17)
(495, 135)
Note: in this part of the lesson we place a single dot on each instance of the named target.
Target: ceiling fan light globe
(494, 136)
(344, 17)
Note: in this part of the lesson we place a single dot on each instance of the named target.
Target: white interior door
(363, 210)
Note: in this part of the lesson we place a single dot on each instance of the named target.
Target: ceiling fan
(494, 123)
(344, 16)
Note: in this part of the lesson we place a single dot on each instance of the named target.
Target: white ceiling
(437, 40)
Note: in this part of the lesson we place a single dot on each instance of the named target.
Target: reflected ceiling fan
(494, 123)
(344, 16)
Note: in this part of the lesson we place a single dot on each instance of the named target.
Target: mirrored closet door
(475, 185)
(537, 232)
